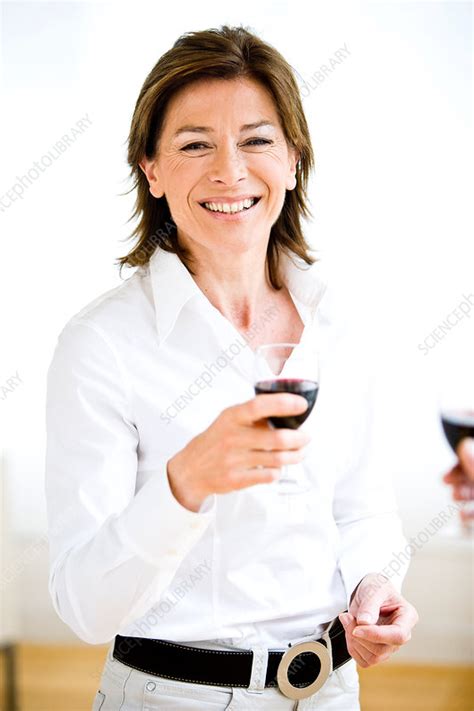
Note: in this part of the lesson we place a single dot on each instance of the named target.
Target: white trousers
(123, 688)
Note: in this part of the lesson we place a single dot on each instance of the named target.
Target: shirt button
(172, 551)
(151, 686)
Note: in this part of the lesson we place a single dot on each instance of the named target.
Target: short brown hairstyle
(226, 53)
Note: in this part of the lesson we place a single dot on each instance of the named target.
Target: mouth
(231, 208)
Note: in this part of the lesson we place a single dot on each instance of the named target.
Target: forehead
(239, 101)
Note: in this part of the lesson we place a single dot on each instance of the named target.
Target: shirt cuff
(158, 528)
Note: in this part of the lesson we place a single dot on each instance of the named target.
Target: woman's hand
(461, 477)
(379, 621)
(224, 457)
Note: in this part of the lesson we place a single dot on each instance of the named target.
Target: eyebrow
(208, 129)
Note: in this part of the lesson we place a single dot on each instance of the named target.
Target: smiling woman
(220, 154)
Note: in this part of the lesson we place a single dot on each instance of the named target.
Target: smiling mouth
(225, 209)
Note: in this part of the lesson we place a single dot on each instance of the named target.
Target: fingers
(463, 472)
(455, 475)
(265, 447)
(365, 653)
(250, 477)
(463, 492)
(465, 453)
(270, 405)
(370, 597)
(463, 487)
(394, 635)
(394, 631)
(374, 647)
(247, 448)
(373, 652)
(266, 438)
(379, 621)
(274, 459)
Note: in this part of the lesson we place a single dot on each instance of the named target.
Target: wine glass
(284, 367)
(456, 409)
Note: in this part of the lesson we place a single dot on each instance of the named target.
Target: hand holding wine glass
(461, 479)
(457, 419)
(237, 450)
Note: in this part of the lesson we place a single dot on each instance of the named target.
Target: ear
(293, 158)
(149, 168)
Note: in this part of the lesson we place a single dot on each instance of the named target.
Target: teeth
(230, 207)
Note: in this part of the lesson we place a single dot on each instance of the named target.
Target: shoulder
(116, 312)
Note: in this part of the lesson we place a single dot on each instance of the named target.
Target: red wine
(457, 424)
(307, 388)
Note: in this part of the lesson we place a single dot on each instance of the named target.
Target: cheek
(178, 173)
(181, 209)
(181, 177)
(272, 171)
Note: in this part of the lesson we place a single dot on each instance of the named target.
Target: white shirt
(135, 375)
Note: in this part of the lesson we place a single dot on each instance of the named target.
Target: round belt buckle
(296, 692)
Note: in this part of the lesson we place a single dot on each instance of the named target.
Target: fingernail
(343, 619)
(364, 618)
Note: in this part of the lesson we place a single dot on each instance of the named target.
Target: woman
(168, 537)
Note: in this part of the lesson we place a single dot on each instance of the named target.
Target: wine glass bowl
(457, 424)
(306, 388)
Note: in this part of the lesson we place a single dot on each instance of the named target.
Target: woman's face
(208, 153)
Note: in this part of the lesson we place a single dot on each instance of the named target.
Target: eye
(191, 145)
(252, 141)
(262, 140)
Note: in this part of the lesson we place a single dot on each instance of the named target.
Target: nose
(228, 166)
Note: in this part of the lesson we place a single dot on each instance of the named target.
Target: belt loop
(259, 670)
(328, 641)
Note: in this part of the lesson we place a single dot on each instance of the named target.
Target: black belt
(298, 672)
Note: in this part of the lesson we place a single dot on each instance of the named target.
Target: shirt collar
(307, 282)
(173, 286)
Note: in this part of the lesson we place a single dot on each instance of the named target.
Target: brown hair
(226, 53)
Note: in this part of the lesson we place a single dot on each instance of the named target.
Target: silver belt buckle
(324, 655)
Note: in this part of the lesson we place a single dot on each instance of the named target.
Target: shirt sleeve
(364, 504)
(112, 550)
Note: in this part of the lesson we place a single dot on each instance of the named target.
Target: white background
(392, 132)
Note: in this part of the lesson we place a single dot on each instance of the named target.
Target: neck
(237, 285)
